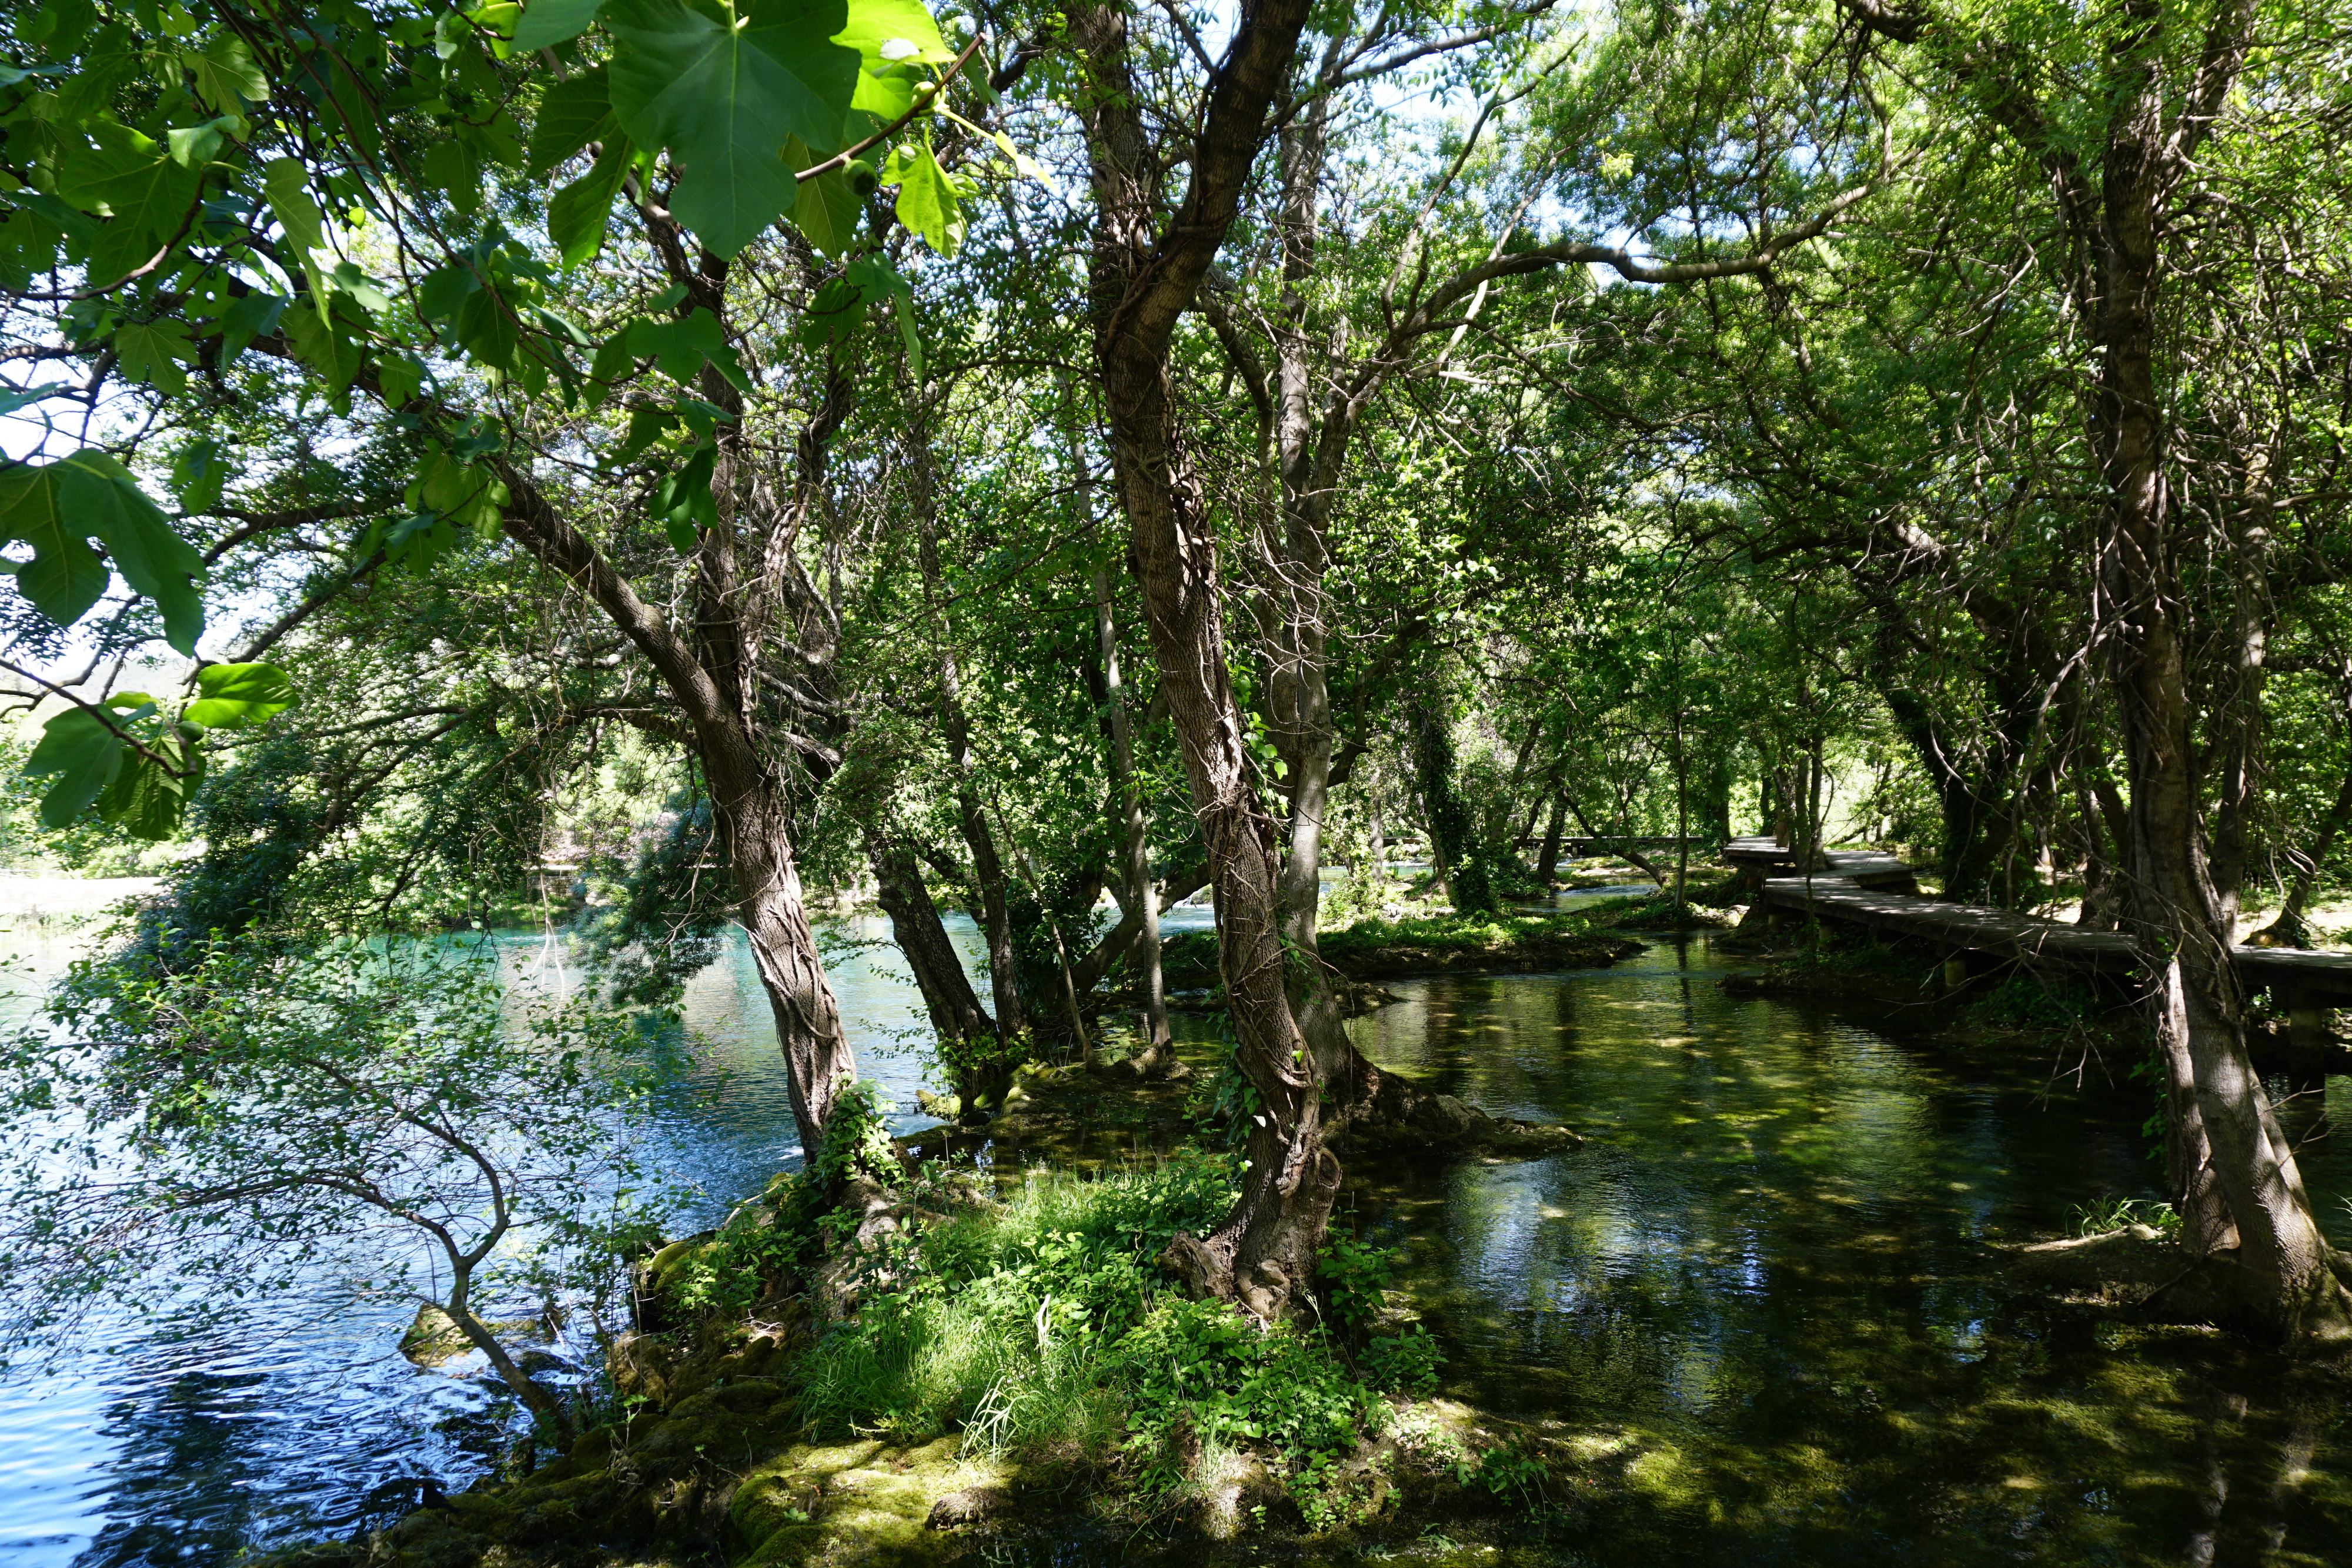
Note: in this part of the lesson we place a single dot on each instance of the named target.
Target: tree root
(2140, 1270)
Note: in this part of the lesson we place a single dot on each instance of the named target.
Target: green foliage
(2103, 1215)
(1468, 861)
(2027, 1001)
(1405, 1362)
(752, 1253)
(59, 508)
(857, 1138)
(1227, 1101)
(1514, 1471)
(1353, 1275)
(1045, 1331)
(1461, 933)
(138, 769)
(1200, 1373)
(255, 1123)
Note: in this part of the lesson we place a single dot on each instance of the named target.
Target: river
(1765, 1268)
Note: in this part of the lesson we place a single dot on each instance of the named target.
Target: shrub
(1046, 1331)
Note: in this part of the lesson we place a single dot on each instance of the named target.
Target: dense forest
(953, 490)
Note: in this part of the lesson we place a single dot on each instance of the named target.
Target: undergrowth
(1045, 1332)
(2025, 1000)
(2106, 1214)
(1839, 949)
(1195, 952)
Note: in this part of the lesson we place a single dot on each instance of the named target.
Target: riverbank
(1523, 942)
(1766, 1312)
(988, 1354)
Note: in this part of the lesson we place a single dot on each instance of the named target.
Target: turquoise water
(1767, 1269)
(156, 1448)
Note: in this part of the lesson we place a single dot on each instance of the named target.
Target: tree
(327, 207)
(258, 1124)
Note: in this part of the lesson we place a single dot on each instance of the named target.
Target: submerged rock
(434, 1339)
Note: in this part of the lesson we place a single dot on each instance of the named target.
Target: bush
(2103, 1215)
(1046, 1331)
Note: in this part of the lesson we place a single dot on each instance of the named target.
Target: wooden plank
(2031, 940)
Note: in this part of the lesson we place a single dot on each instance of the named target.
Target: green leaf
(399, 378)
(320, 342)
(84, 755)
(193, 146)
(224, 74)
(684, 502)
(65, 577)
(723, 101)
(445, 290)
(486, 327)
(577, 217)
(151, 351)
(237, 695)
(682, 345)
(102, 498)
(248, 317)
(147, 798)
(132, 180)
(573, 113)
(828, 211)
(200, 474)
(887, 35)
(450, 165)
(287, 184)
(550, 22)
(928, 203)
(906, 313)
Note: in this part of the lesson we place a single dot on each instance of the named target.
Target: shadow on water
(1769, 1265)
(1768, 1268)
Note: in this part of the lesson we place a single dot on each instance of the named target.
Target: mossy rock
(861, 1502)
(433, 1340)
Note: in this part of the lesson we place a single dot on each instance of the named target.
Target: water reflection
(156, 1448)
(1766, 1262)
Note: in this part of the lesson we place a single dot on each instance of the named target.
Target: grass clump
(2103, 1215)
(1045, 1332)
(2027, 1001)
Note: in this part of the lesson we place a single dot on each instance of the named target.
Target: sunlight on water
(1767, 1263)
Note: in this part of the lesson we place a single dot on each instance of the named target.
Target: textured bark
(967, 1037)
(2234, 1174)
(1141, 899)
(1146, 269)
(1548, 857)
(988, 872)
(750, 793)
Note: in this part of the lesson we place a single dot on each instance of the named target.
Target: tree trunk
(1142, 900)
(2233, 1172)
(1548, 858)
(967, 1037)
(1143, 278)
(750, 805)
(752, 819)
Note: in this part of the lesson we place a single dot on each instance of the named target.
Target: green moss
(1429, 943)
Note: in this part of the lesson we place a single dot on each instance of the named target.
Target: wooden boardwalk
(1861, 888)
